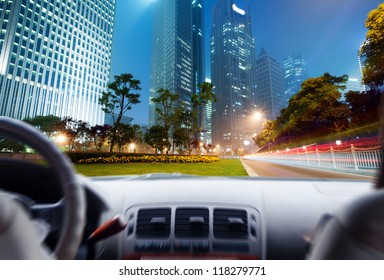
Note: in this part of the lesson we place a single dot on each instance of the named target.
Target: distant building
(353, 84)
(124, 120)
(359, 59)
(270, 97)
(233, 75)
(207, 121)
(55, 57)
(295, 73)
(198, 62)
(177, 62)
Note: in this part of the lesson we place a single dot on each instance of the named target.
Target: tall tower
(270, 86)
(233, 75)
(198, 43)
(55, 57)
(177, 62)
(295, 73)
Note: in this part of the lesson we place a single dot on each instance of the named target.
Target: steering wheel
(16, 227)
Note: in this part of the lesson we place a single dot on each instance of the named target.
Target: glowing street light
(60, 138)
(258, 115)
(132, 147)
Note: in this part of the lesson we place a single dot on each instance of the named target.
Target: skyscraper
(295, 73)
(270, 86)
(198, 43)
(233, 75)
(55, 57)
(177, 62)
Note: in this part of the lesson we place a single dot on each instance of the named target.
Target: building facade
(55, 57)
(295, 73)
(198, 43)
(270, 97)
(233, 75)
(177, 61)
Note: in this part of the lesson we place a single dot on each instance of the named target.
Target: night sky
(327, 32)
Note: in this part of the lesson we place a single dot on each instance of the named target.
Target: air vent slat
(154, 222)
(230, 223)
(192, 222)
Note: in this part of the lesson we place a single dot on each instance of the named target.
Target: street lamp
(258, 115)
(60, 138)
(132, 147)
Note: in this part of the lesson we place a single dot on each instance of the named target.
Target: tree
(373, 49)
(166, 102)
(199, 102)
(47, 124)
(208, 147)
(74, 131)
(125, 134)
(181, 138)
(157, 138)
(364, 107)
(315, 110)
(121, 95)
(266, 135)
(99, 134)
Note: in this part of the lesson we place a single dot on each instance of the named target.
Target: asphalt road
(268, 169)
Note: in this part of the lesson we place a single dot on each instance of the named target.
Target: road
(269, 169)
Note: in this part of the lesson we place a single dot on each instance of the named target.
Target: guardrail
(335, 158)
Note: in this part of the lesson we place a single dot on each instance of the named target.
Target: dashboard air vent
(192, 222)
(230, 223)
(154, 222)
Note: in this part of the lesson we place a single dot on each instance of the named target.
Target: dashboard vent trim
(192, 222)
(153, 222)
(230, 223)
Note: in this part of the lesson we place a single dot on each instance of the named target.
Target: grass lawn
(225, 167)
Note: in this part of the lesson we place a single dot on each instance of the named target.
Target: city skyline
(328, 33)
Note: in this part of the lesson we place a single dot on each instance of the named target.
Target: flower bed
(149, 159)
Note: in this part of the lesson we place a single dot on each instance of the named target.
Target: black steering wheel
(15, 225)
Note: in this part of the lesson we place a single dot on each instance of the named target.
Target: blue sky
(327, 32)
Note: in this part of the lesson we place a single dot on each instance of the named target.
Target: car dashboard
(165, 216)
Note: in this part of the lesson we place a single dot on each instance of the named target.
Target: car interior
(50, 212)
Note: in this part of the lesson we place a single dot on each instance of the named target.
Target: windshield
(191, 129)
(209, 87)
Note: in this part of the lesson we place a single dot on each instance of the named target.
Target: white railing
(335, 158)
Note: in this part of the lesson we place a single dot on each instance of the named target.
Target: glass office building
(177, 61)
(233, 74)
(55, 57)
(198, 43)
(270, 96)
(295, 73)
